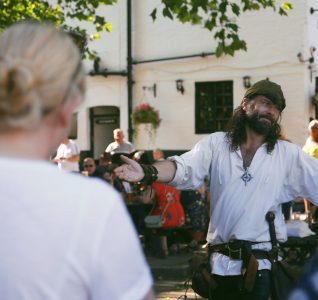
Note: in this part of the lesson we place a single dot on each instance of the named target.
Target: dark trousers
(230, 287)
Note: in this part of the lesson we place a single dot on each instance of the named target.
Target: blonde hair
(40, 67)
(311, 124)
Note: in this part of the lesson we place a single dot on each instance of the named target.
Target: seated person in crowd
(158, 155)
(89, 165)
(196, 206)
(166, 204)
(120, 145)
(105, 161)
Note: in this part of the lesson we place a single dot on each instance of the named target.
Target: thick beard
(259, 126)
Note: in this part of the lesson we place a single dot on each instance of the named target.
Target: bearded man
(251, 172)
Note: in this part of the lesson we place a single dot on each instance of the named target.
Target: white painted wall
(273, 44)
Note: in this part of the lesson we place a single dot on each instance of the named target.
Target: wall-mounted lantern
(247, 81)
(179, 86)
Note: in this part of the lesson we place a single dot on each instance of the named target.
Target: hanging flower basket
(144, 113)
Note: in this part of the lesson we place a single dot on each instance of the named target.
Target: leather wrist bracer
(151, 174)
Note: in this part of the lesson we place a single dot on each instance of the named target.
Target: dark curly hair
(236, 132)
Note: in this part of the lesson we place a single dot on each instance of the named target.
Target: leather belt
(242, 250)
(234, 249)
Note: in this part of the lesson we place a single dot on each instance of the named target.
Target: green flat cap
(270, 90)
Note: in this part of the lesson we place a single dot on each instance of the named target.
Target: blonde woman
(62, 236)
(311, 148)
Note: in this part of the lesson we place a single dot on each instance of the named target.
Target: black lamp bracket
(313, 10)
(152, 88)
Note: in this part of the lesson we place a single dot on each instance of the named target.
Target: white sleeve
(121, 271)
(193, 166)
(301, 179)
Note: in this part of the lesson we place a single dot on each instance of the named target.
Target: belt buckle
(234, 253)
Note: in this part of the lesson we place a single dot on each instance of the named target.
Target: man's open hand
(130, 171)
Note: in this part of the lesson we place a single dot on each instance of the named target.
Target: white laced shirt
(238, 207)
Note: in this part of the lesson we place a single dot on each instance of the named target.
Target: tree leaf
(154, 14)
(167, 13)
(287, 6)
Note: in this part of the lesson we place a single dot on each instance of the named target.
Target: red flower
(145, 113)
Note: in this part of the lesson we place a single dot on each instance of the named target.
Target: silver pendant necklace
(247, 160)
(246, 177)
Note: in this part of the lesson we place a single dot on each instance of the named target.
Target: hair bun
(38, 70)
(17, 89)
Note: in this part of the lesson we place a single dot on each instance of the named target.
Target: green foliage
(219, 17)
(12, 11)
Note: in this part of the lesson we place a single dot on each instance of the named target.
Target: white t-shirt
(68, 151)
(65, 236)
(125, 147)
(238, 208)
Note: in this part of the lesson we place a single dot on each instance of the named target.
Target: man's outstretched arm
(133, 172)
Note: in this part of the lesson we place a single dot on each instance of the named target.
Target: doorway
(103, 120)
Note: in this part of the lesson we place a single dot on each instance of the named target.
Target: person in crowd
(311, 145)
(105, 160)
(196, 206)
(251, 172)
(105, 167)
(158, 155)
(120, 145)
(68, 156)
(65, 243)
(90, 167)
(166, 203)
(311, 148)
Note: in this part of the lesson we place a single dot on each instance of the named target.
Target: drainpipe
(203, 54)
(107, 73)
(129, 70)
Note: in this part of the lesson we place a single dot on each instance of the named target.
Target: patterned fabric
(196, 208)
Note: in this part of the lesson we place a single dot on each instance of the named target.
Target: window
(213, 105)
